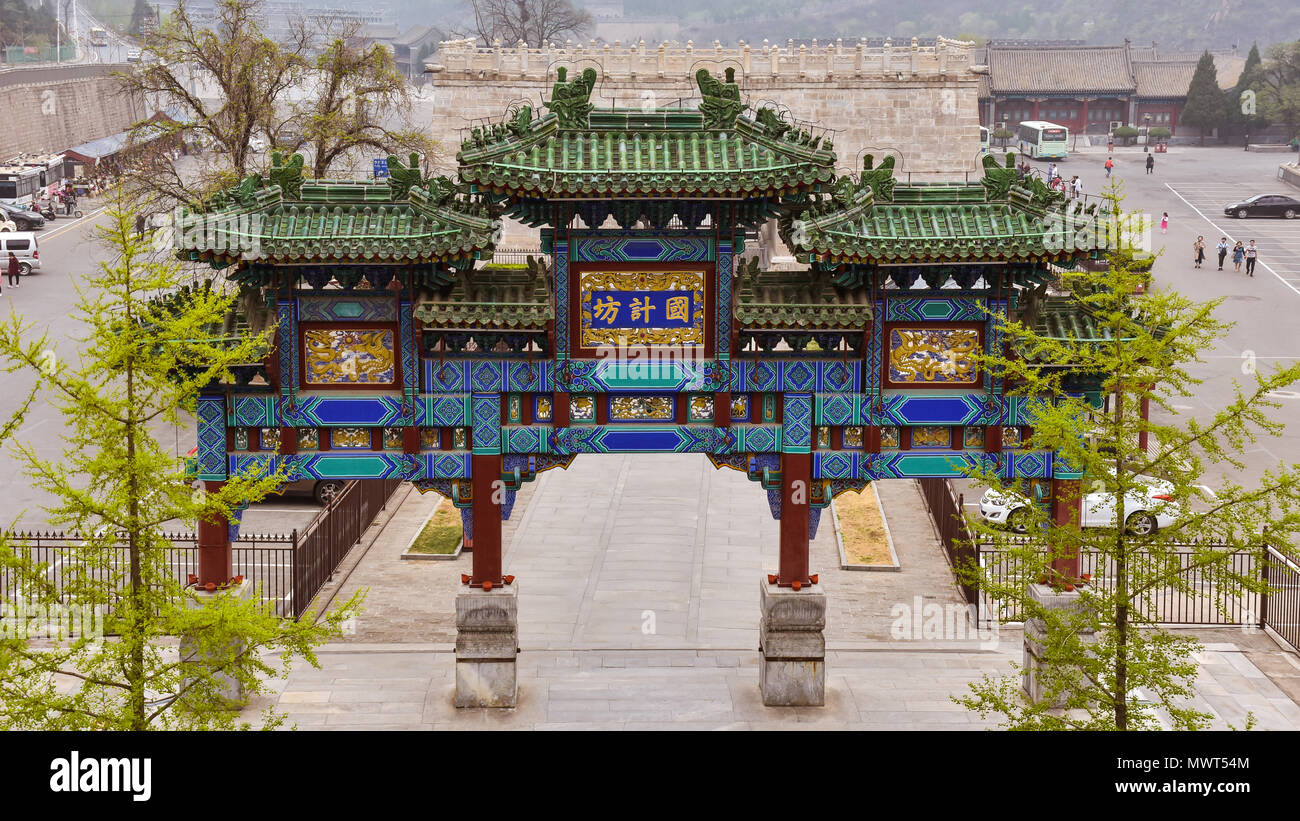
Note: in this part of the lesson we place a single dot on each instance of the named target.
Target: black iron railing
(1210, 596)
(286, 570)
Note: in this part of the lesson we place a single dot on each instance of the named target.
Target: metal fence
(515, 256)
(1205, 596)
(320, 548)
(1280, 609)
(946, 510)
(286, 570)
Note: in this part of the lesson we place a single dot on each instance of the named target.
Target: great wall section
(917, 102)
(52, 108)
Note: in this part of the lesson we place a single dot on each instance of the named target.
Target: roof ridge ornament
(571, 101)
(401, 177)
(997, 179)
(720, 101)
(287, 175)
(880, 178)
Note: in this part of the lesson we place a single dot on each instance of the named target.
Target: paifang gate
(401, 351)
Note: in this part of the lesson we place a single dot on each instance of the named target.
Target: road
(1193, 184)
(44, 300)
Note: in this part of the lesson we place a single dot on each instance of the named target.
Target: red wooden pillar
(1067, 495)
(215, 557)
(487, 489)
(796, 486)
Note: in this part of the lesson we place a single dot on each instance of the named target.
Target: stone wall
(51, 109)
(920, 103)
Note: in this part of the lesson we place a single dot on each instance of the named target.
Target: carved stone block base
(487, 645)
(792, 666)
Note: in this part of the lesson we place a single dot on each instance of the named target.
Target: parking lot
(1278, 239)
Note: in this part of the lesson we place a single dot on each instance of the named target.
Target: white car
(1145, 511)
(133, 55)
(257, 144)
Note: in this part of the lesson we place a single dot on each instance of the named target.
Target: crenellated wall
(920, 103)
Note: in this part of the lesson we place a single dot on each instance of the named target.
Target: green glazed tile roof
(938, 232)
(999, 218)
(796, 300)
(514, 298)
(631, 153)
(334, 221)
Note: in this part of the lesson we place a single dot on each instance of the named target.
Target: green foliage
(1126, 133)
(1159, 133)
(1100, 656)
(1280, 83)
(24, 25)
(1204, 107)
(141, 365)
(1194, 24)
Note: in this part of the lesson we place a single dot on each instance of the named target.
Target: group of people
(1073, 189)
(1246, 253)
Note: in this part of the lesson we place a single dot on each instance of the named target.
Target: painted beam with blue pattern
(796, 375)
(933, 409)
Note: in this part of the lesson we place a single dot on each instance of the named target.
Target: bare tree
(223, 82)
(357, 100)
(532, 21)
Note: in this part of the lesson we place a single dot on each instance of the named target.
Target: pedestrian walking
(1110, 164)
(1078, 188)
(1222, 248)
(1151, 162)
(1164, 223)
(1051, 174)
(14, 270)
(1238, 254)
(1247, 141)
(1199, 248)
(139, 225)
(1252, 254)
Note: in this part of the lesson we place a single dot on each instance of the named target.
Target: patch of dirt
(862, 529)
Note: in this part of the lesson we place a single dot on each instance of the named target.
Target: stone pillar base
(1036, 637)
(792, 648)
(230, 691)
(487, 644)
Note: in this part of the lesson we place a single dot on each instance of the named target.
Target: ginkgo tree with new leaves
(138, 367)
(1107, 664)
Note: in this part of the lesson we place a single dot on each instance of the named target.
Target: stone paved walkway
(638, 603)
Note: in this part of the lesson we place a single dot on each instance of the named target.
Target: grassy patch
(441, 533)
(862, 529)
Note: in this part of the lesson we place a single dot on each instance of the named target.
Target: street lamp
(1146, 126)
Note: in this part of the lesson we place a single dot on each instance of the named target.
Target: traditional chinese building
(401, 352)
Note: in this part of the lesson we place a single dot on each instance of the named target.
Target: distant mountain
(1187, 24)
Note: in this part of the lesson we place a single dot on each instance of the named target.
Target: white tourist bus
(1043, 140)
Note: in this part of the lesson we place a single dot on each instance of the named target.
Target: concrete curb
(889, 540)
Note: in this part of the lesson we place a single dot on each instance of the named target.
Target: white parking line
(1260, 263)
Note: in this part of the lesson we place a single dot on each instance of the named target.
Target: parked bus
(1043, 140)
(18, 184)
(984, 140)
(98, 37)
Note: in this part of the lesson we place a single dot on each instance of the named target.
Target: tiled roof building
(1086, 88)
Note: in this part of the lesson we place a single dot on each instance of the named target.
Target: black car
(1265, 205)
(24, 219)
